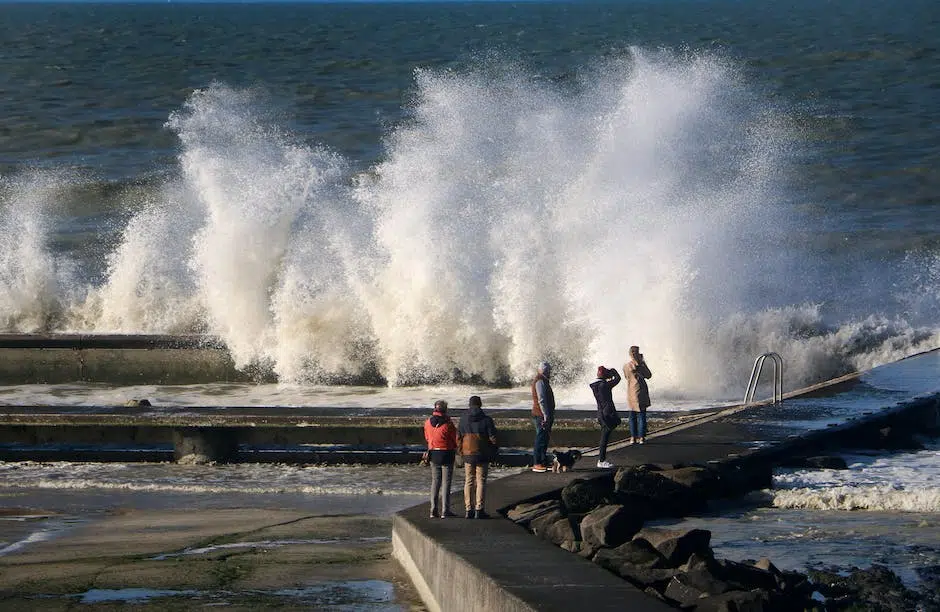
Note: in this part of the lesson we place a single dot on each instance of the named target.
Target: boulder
(744, 576)
(581, 496)
(647, 577)
(825, 462)
(703, 481)
(699, 561)
(706, 581)
(684, 594)
(736, 601)
(562, 533)
(860, 586)
(677, 545)
(541, 524)
(523, 514)
(641, 486)
(639, 553)
(610, 525)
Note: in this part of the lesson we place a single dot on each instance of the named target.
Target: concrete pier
(470, 565)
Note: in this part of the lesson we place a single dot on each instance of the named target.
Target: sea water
(442, 193)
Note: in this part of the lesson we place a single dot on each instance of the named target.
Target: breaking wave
(510, 221)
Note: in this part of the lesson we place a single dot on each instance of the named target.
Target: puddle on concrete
(351, 595)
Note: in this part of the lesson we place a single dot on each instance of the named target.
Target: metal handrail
(755, 374)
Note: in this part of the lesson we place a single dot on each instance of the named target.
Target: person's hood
(438, 419)
(475, 413)
(596, 382)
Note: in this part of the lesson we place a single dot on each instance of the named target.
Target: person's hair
(440, 405)
(475, 401)
(545, 367)
(635, 353)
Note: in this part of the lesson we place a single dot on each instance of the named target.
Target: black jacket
(476, 436)
(606, 411)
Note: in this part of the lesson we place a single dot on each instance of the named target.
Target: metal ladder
(755, 374)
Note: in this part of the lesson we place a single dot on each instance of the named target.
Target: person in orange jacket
(441, 436)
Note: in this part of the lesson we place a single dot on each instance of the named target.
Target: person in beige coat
(638, 394)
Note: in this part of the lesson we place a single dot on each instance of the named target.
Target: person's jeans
(605, 438)
(542, 434)
(638, 424)
(474, 481)
(442, 475)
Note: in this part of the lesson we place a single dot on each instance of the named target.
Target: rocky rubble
(603, 519)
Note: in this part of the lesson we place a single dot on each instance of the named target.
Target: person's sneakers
(538, 467)
(481, 514)
(448, 514)
(471, 514)
(632, 440)
(605, 464)
(435, 514)
(641, 441)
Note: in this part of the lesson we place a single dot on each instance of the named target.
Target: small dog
(564, 461)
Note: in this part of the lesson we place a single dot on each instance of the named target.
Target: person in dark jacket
(441, 436)
(476, 443)
(543, 416)
(607, 415)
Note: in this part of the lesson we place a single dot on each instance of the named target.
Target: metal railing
(755, 375)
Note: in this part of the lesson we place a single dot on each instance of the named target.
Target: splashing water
(509, 222)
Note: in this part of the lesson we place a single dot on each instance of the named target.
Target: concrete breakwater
(265, 434)
(499, 564)
(117, 359)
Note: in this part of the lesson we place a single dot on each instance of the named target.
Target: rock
(818, 462)
(561, 533)
(736, 601)
(647, 577)
(737, 480)
(825, 462)
(523, 514)
(610, 525)
(765, 564)
(641, 486)
(639, 553)
(541, 524)
(745, 577)
(705, 581)
(861, 586)
(703, 481)
(698, 561)
(676, 545)
(587, 551)
(581, 496)
(684, 594)
(895, 438)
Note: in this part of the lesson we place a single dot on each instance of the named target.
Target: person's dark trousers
(540, 451)
(605, 438)
(638, 424)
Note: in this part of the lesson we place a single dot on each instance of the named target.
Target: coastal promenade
(473, 565)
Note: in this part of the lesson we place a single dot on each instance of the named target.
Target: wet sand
(235, 558)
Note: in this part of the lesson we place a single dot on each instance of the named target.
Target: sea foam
(510, 221)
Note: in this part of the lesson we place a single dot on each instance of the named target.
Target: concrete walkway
(460, 564)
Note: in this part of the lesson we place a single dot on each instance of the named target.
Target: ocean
(441, 195)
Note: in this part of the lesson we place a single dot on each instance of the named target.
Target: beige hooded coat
(638, 393)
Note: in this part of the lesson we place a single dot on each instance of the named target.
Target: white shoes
(605, 464)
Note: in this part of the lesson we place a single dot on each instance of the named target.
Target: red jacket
(440, 433)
